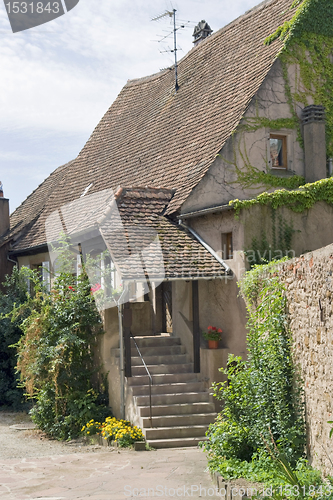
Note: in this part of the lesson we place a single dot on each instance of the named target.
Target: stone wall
(309, 284)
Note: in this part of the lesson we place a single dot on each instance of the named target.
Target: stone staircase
(181, 406)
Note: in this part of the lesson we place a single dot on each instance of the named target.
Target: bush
(56, 355)
(15, 293)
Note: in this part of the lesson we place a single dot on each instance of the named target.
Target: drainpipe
(209, 248)
(11, 260)
(121, 348)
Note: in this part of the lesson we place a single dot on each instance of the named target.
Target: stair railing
(150, 379)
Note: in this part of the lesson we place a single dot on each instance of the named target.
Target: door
(167, 306)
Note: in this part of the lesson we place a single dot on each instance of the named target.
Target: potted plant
(213, 335)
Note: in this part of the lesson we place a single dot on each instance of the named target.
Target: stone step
(143, 390)
(183, 431)
(177, 409)
(164, 399)
(156, 340)
(179, 420)
(163, 378)
(163, 368)
(159, 360)
(153, 351)
(176, 443)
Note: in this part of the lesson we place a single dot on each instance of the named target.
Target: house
(152, 186)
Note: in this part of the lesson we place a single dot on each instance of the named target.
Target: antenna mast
(172, 14)
(175, 49)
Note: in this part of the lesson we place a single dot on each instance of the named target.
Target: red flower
(71, 288)
(210, 328)
(95, 288)
(219, 330)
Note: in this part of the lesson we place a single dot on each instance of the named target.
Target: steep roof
(154, 136)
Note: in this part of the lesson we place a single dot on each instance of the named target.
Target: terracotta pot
(213, 344)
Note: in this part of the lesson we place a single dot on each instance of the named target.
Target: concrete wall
(309, 288)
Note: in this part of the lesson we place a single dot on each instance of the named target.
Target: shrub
(15, 293)
(56, 355)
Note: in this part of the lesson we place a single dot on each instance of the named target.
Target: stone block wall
(309, 284)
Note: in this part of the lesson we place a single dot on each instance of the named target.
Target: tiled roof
(146, 244)
(154, 136)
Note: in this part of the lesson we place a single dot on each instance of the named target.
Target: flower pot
(213, 344)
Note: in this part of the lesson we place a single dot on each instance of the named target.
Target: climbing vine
(308, 47)
(296, 200)
(308, 43)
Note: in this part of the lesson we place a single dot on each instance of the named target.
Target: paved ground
(37, 468)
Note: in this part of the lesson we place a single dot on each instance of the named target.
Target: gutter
(179, 278)
(29, 251)
(205, 211)
(209, 249)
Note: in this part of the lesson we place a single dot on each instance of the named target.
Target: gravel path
(15, 443)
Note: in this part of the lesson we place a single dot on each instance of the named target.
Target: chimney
(4, 212)
(313, 118)
(201, 31)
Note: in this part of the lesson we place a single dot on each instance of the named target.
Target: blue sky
(57, 80)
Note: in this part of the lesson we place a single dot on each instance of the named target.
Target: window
(278, 151)
(227, 249)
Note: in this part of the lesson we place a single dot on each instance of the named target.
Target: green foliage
(331, 431)
(15, 292)
(308, 46)
(264, 469)
(311, 16)
(56, 354)
(262, 399)
(296, 200)
(313, 54)
(308, 43)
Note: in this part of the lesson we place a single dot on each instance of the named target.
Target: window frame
(284, 138)
(227, 247)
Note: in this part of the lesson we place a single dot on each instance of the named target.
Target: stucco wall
(220, 306)
(309, 284)
(219, 185)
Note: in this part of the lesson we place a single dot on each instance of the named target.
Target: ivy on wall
(308, 46)
(296, 200)
(311, 16)
(308, 43)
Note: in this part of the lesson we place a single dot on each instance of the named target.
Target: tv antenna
(172, 14)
